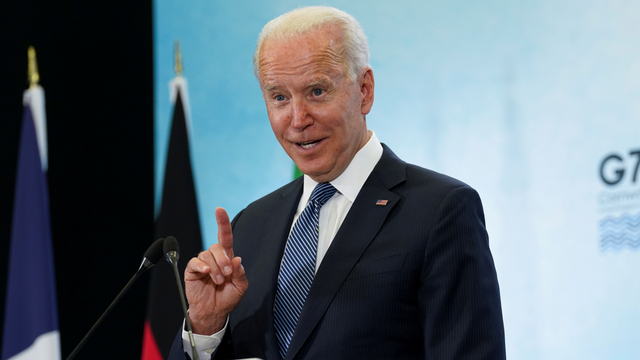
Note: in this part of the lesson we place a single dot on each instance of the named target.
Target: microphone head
(170, 244)
(154, 252)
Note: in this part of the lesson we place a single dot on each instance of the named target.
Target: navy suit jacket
(412, 279)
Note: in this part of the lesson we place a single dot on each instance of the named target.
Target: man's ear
(367, 85)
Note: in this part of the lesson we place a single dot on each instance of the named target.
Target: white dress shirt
(332, 214)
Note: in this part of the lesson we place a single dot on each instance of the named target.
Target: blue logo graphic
(617, 233)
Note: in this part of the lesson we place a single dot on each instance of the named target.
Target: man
(398, 264)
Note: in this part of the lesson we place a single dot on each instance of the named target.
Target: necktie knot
(322, 193)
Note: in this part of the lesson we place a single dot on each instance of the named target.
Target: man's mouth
(308, 144)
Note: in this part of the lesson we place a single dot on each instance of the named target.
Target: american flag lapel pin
(382, 202)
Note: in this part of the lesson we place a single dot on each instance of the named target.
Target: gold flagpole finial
(34, 76)
(177, 59)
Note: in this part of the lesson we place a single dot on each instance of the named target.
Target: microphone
(151, 257)
(172, 254)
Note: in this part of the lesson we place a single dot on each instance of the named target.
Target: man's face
(316, 112)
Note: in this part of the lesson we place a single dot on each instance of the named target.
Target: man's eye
(279, 97)
(318, 92)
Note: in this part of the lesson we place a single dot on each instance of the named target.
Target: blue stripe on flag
(31, 307)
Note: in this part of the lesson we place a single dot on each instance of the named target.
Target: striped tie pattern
(298, 267)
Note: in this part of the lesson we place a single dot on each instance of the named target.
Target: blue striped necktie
(298, 267)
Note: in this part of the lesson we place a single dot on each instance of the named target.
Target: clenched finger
(196, 269)
(211, 261)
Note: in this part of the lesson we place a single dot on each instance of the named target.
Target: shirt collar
(352, 179)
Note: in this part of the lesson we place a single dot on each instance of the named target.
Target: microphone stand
(172, 257)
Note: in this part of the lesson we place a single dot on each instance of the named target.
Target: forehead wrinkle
(316, 61)
(315, 81)
(327, 58)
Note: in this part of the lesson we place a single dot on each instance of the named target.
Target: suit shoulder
(418, 175)
(394, 172)
(267, 201)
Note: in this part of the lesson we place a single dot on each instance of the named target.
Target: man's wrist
(208, 326)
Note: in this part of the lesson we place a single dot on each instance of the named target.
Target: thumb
(238, 276)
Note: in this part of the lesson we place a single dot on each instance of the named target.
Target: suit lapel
(363, 222)
(271, 250)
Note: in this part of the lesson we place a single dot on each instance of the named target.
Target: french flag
(31, 322)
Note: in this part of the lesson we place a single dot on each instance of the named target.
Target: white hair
(306, 19)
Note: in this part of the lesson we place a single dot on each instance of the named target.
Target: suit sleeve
(176, 352)
(458, 294)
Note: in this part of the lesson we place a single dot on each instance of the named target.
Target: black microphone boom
(151, 256)
(172, 254)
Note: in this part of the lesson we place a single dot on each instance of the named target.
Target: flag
(31, 322)
(178, 216)
(296, 172)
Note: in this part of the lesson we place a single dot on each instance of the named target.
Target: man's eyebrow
(320, 81)
(268, 87)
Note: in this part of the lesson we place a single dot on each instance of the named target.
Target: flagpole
(34, 75)
(177, 59)
(34, 98)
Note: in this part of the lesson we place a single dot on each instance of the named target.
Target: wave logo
(617, 233)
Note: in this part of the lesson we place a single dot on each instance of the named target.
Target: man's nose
(301, 117)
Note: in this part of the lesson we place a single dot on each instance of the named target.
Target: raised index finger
(225, 235)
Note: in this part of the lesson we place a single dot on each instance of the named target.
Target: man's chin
(311, 171)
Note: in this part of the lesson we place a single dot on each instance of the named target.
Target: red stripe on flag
(150, 349)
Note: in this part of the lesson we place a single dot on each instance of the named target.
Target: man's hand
(215, 281)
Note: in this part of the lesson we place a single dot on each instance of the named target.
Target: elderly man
(366, 256)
